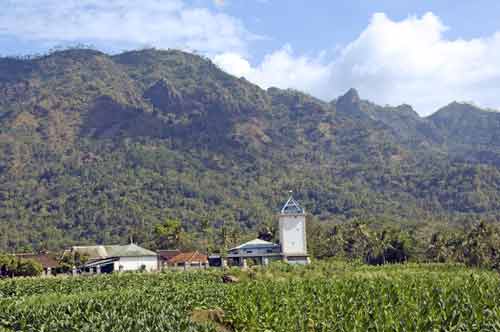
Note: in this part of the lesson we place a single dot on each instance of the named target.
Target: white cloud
(391, 62)
(281, 69)
(411, 61)
(235, 64)
(160, 23)
(408, 61)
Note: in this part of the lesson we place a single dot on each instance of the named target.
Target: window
(249, 251)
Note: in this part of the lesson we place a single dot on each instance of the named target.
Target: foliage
(393, 299)
(71, 260)
(11, 266)
(168, 234)
(323, 296)
(97, 148)
(476, 245)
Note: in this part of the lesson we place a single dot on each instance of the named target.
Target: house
(188, 260)
(165, 255)
(48, 261)
(108, 259)
(258, 251)
(292, 247)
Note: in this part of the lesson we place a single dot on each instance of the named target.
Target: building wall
(298, 260)
(293, 234)
(255, 251)
(188, 266)
(135, 263)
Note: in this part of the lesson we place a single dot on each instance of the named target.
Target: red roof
(45, 260)
(189, 257)
(167, 254)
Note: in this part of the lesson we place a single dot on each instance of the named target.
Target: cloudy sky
(426, 53)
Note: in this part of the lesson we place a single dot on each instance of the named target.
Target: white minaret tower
(292, 224)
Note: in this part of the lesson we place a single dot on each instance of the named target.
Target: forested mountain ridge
(95, 148)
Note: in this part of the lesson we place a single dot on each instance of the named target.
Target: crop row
(375, 299)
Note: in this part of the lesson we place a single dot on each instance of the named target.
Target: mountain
(472, 134)
(96, 148)
(464, 132)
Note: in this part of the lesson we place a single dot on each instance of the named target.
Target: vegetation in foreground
(476, 246)
(325, 296)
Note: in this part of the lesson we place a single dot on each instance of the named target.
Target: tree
(7, 265)
(357, 240)
(438, 249)
(379, 244)
(10, 266)
(168, 234)
(28, 268)
(71, 260)
(481, 246)
(266, 234)
(397, 249)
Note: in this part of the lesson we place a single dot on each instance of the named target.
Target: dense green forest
(97, 148)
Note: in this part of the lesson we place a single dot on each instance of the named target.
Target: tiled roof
(188, 257)
(98, 252)
(45, 260)
(167, 254)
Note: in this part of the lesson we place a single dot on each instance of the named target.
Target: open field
(320, 297)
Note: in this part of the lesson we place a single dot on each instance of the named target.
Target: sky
(419, 52)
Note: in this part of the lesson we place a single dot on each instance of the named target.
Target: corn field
(319, 297)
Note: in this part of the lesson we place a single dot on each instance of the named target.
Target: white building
(292, 247)
(292, 226)
(108, 259)
(259, 251)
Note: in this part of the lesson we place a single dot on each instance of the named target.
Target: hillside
(96, 148)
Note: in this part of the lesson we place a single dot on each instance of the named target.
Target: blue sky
(312, 26)
(424, 53)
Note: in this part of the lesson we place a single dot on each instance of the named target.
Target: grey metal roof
(98, 252)
(255, 244)
(257, 254)
(100, 262)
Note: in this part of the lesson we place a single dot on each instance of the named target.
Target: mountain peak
(351, 97)
(349, 103)
(455, 108)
